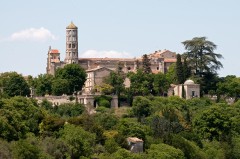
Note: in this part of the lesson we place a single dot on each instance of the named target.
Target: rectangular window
(193, 93)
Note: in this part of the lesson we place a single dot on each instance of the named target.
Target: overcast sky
(115, 28)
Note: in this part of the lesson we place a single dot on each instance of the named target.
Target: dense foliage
(201, 56)
(75, 76)
(170, 127)
(13, 84)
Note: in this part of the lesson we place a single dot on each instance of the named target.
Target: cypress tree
(146, 64)
(179, 70)
(186, 70)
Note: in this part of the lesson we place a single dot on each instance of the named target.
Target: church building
(160, 60)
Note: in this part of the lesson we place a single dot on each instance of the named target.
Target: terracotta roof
(170, 60)
(54, 51)
(159, 53)
(71, 26)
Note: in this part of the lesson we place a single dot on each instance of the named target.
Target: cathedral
(160, 60)
(97, 68)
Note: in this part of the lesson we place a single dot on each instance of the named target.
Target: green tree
(56, 148)
(80, 141)
(111, 145)
(69, 109)
(230, 87)
(186, 70)
(5, 152)
(141, 107)
(50, 126)
(141, 83)
(146, 64)
(127, 128)
(212, 123)
(214, 150)
(74, 74)
(208, 82)
(160, 83)
(106, 120)
(171, 74)
(22, 149)
(124, 154)
(13, 84)
(105, 89)
(116, 80)
(18, 116)
(190, 149)
(164, 151)
(60, 87)
(200, 55)
(179, 70)
(43, 84)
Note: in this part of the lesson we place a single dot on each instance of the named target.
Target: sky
(115, 28)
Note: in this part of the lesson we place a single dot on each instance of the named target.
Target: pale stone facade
(83, 99)
(95, 77)
(135, 144)
(160, 60)
(191, 90)
(97, 68)
(71, 44)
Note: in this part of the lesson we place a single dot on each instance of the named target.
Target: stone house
(136, 144)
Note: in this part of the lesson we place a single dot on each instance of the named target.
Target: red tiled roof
(54, 51)
(170, 60)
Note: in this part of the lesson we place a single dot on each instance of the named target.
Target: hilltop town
(159, 105)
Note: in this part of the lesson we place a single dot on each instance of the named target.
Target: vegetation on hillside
(171, 127)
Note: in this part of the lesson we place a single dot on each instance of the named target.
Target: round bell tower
(71, 44)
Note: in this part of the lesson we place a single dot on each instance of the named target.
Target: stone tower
(53, 60)
(71, 44)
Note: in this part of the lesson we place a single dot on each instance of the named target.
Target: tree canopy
(201, 56)
(13, 84)
(74, 74)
